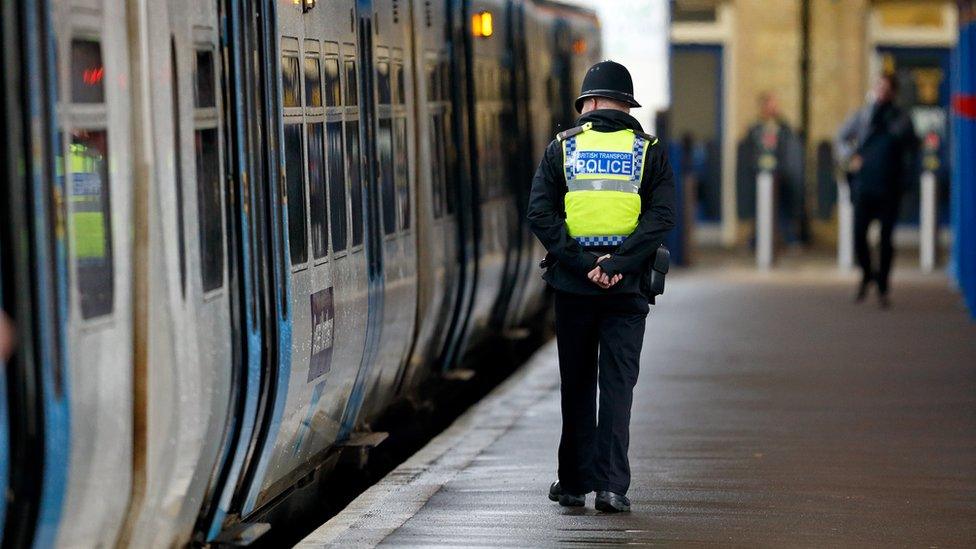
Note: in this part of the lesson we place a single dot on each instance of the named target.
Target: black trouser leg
(577, 339)
(888, 216)
(863, 215)
(621, 338)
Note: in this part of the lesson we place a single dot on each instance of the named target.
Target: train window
(384, 148)
(87, 72)
(295, 194)
(355, 182)
(436, 165)
(445, 82)
(290, 88)
(178, 167)
(210, 213)
(399, 96)
(433, 84)
(332, 95)
(337, 185)
(402, 181)
(448, 158)
(313, 90)
(352, 88)
(383, 82)
(205, 94)
(91, 217)
(318, 211)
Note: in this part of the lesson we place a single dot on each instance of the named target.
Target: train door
(329, 272)
(94, 124)
(393, 75)
(437, 227)
(495, 212)
(34, 420)
(190, 340)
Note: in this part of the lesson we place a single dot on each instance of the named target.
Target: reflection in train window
(384, 148)
(290, 89)
(295, 194)
(316, 192)
(87, 72)
(210, 213)
(337, 185)
(448, 157)
(383, 81)
(91, 243)
(352, 88)
(433, 85)
(205, 94)
(178, 167)
(313, 92)
(332, 96)
(402, 176)
(355, 183)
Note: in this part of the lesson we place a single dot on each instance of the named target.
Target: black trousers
(599, 339)
(866, 210)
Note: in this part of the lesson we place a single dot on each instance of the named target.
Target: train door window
(87, 72)
(402, 175)
(208, 206)
(448, 159)
(436, 165)
(383, 76)
(384, 145)
(205, 81)
(290, 88)
(337, 186)
(352, 87)
(178, 168)
(92, 221)
(399, 95)
(318, 209)
(210, 216)
(295, 194)
(332, 93)
(313, 90)
(355, 181)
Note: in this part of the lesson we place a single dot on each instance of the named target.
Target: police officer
(602, 201)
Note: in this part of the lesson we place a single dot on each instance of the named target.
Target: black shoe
(566, 500)
(609, 502)
(862, 291)
(883, 301)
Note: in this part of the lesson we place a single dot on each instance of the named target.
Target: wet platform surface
(770, 411)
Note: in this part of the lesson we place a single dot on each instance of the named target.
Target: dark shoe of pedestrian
(566, 500)
(883, 301)
(862, 291)
(610, 502)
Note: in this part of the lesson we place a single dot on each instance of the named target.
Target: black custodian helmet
(607, 79)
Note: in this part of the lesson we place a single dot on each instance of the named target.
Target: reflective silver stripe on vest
(603, 185)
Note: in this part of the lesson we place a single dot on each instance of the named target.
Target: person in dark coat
(772, 144)
(602, 202)
(878, 148)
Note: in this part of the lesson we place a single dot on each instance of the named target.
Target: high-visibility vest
(603, 176)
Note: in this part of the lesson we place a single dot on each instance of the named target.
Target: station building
(819, 57)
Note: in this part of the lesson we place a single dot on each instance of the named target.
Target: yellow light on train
(306, 5)
(481, 24)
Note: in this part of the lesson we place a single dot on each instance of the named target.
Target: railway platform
(770, 411)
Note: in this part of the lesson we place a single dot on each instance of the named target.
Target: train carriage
(268, 222)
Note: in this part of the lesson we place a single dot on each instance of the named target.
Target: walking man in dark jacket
(602, 201)
(877, 147)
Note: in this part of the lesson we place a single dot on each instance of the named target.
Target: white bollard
(927, 222)
(765, 220)
(845, 226)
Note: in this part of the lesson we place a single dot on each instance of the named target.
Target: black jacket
(569, 262)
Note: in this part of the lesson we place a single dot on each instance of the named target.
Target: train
(234, 233)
